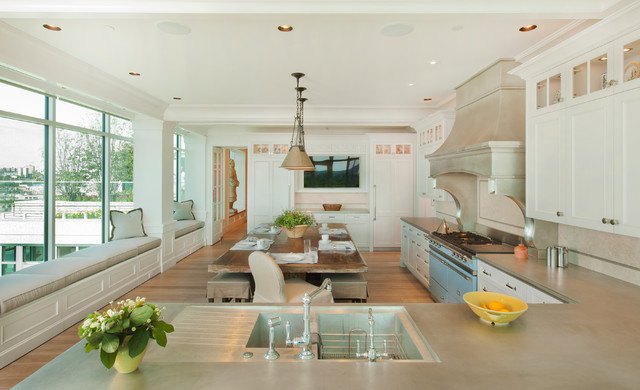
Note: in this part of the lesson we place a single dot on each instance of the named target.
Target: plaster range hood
(488, 135)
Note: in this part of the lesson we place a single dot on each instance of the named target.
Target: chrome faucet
(372, 354)
(272, 354)
(305, 340)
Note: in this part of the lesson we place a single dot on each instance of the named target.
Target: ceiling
(236, 56)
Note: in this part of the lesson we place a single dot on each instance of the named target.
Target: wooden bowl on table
(331, 206)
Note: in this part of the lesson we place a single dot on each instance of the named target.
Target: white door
(217, 201)
(589, 164)
(545, 186)
(280, 189)
(402, 196)
(382, 202)
(627, 163)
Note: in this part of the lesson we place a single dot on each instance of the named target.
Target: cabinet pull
(442, 297)
(458, 292)
(511, 287)
(419, 245)
(485, 289)
(559, 213)
(614, 222)
(486, 273)
(605, 221)
(375, 203)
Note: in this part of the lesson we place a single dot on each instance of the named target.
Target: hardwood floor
(387, 281)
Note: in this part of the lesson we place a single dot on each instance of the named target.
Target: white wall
(195, 172)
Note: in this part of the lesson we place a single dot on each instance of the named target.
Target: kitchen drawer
(329, 218)
(508, 284)
(537, 296)
(438, 293)
(422, 268)
(354, 218)
(486, 285)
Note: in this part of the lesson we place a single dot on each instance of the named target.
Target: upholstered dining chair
(271, 286)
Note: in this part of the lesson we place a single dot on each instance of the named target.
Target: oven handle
(467, 278)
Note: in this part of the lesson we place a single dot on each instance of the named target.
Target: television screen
(333, 172)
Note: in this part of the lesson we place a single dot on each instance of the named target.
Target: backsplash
(611, 254)
(348, 200)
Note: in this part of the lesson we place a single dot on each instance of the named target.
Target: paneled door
(218, 203)
(393, 195)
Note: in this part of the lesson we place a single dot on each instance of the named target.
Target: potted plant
(122, 333)
(294, 222)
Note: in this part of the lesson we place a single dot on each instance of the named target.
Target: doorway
(235, 179)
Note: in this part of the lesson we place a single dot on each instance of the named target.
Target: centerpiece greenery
(122, 332)
(294, 222)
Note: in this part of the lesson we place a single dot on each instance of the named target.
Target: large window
(179, 157)
(66, 174)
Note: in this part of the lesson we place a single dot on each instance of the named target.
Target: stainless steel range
(452, 263)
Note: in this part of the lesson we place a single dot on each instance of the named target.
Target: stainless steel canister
(562, 256)
(552, 257)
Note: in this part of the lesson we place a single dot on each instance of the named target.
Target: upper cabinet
(582, 135)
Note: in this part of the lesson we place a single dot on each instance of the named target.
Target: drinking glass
(313, 253)
(307, 246)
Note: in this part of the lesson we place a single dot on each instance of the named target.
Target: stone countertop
(427, 225)
(591, 344)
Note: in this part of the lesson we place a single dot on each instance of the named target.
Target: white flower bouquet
(129, 323)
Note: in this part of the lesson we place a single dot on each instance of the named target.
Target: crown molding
(29, 61)
(271, 115)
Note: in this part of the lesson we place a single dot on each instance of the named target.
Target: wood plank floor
(388, 283)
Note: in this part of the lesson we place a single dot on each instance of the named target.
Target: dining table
(329, 261)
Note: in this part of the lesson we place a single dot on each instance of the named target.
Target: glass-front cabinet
(629, 50)
(593, 75)
(549, 91)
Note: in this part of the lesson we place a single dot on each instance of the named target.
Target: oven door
(454, 280)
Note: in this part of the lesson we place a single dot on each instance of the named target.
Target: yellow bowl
(476, 300)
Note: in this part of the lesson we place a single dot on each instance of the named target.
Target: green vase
(124, 363)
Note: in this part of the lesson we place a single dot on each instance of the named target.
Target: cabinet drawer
(506, 283)
(438, 293)
(537, 296)
(437, 270)
(356, 218)
(422, 267)
(329, 218)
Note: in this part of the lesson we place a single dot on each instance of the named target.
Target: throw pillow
(126, 225)
(183, 210)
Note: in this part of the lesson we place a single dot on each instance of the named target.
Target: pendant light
(297, 158)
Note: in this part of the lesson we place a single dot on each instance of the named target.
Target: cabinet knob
(559, 213)
(614, 222)
(606, 221)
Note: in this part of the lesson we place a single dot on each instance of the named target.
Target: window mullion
(50, 181)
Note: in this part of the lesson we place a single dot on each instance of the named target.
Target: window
(92, 158)
(179, 176)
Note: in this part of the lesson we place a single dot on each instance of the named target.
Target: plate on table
(246, 244)
(292, 257)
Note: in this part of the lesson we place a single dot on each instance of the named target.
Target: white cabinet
(357, 225)
(271, 190)
(392, 198)
(589, 164)
(492, 279)
(415, 252)
(545, 173)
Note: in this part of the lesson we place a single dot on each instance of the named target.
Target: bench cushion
(115, 252)
(186, 227)
(71, 269)
(18, 289)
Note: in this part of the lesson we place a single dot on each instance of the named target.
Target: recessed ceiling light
(396, 29)
(528, 27)
(134, 73)
(602, 58)
(427, 99)
(433, 62)
(177, 98)
(285, 28)
(52, 27)
(410, 84)
(628, 49)
(173, 28)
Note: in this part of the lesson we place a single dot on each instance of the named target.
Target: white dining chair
(271, 286)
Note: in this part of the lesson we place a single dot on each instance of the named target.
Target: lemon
(496, 306)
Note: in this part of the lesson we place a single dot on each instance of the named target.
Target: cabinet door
(383, 215)
(545, 183)
(280, 188)
(404, 249)
(261, 193)
(422, 174)
(589, 164)
(359, 232)
(627, 163)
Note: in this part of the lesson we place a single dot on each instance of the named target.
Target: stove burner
(464, 238)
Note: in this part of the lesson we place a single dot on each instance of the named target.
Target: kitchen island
(591, 344)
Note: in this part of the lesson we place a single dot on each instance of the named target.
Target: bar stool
(348, 286)
(232, 286)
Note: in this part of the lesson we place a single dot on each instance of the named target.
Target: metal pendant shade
(297, 158)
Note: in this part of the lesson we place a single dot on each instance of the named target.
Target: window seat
(40, 301)
(188, 226)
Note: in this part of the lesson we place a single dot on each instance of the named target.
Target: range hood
(488, 135)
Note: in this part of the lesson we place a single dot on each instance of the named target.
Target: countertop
(593, 343)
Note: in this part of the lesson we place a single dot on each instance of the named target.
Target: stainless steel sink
(239, 333)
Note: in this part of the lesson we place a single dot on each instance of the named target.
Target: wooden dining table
(331, 261)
